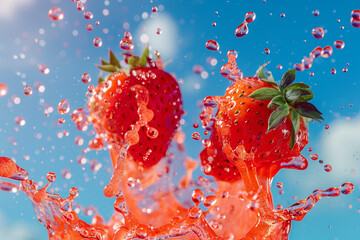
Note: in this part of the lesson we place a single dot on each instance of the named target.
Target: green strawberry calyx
(287, 99)
(113, 65)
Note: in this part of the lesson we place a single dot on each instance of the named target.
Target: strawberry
(141, 105)
(268, 120)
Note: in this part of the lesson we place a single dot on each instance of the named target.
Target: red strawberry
(268, 120)
(125, 95)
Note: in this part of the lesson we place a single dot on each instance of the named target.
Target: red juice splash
(240, 209)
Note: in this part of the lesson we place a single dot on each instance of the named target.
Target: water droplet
(344, 69)
(241, 30)
(267, 51)
(316, 13)
(195, 212)
(39, 86)
(327, 168)
(86, 78)
(250, 17)
(88, 15)
(80, 6)
(355, 22)
(197, 196)
(61, 120)
(158, 31)
(314, 156)
(126, 43)
(56, 14)
(64, 107)
(318, 32)
(213, 24)
(66, 174)
(333, 71)
(44, 69)
(355, 14)
(210, 201)
(97, 42)
(3, 89)
(339, 44)
(89, 27)
(154, 9)
(51, 176)
(327, 52)
(196, 136)
(28, 90)
(74, 192)
(282, 15)
(327, 126)
(346, 188)
(20, 121)
(212, 45)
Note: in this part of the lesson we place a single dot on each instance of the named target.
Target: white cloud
(166, 42)
(340, 147)
(16, 231)
(9, 8)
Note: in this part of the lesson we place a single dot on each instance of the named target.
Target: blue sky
(29, 38)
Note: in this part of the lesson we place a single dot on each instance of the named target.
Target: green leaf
(298, 86)
(103, 62)
(100, 79)
(260, 73)
(108, 68)
(277, 117)
(264, 93)
(276, 101)
(270, 76)
(308, 110)
(113, 60)
(288, 78)
(298, 95)
(144, 57)
(133, 62)
(295, 126)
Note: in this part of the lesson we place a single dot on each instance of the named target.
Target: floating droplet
(282, 15)
(355, 14)
(242, 30)
(333, 71)
(345, 69)
(267, 51)
(327, 168)
(61, 120)
(154, 9)
(86, 78)
(97, 42)
(51, 177)
(158, 31)
(339, 44)
(347, 188)
(327, 52)
(64, 107)
(316, 13)
(318, 32)
(44, 69)
(20, 121)
(250, 17)
(66, 174)
(56, 14)
(80, 6)
(89, 27)
(3, 89)
(212, 45)
(28, 90)
(126, 43)
(88, 15)
(355, 22)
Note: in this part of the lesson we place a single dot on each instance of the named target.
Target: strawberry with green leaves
(116, 109)
(269, 120)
